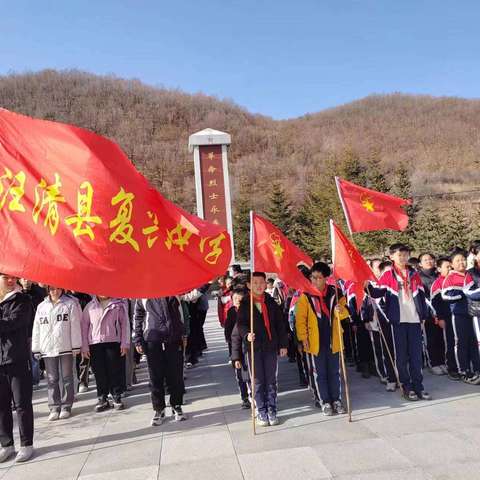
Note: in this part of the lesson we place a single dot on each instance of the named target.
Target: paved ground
(388, 439)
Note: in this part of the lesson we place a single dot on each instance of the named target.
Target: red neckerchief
(320, 304)
(266, 319)
(405, 280)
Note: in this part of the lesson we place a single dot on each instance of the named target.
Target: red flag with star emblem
(368, 210)
(348, 264)
(273, 252)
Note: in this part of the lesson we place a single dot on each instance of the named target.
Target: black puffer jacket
(16, 312)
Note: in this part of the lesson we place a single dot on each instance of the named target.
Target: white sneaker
(391, 386)
(6, 453)
(444, 369)
(65, 413)
(24, 454)
(82, 388)
(437, 370)
(54, 415)
(158, 418)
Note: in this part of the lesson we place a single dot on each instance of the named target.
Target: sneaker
(6, 453)
(444, 369)
(54, 415)
(65, 413)
(24, 454)
(118, 404)
(474, 379)
(339, 408)
(327, 409)
(246, 405)
(82, 388)
(158, 418)
(189, 365)
(272, 419)
(424, 395)
(411, 396)
(383, 380)
(262, 420)
(178, 413)
(391, 386)
(455, 376)
(438, 370)
(102, 405)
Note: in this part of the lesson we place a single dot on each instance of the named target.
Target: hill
(435, 139)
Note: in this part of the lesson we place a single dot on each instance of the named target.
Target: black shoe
(454, 376)
(246, 404)
(102, 405)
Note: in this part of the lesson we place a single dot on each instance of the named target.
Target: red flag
(368, 210)
(348, 264)
(75, 213)
(273, 252)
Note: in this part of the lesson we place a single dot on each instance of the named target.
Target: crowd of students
(418, 313)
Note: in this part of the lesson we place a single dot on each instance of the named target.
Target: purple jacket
(109, 325)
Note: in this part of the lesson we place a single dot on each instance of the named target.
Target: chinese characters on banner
(75, 213)
(213, 186)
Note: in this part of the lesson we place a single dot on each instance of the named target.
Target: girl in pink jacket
(105, 341)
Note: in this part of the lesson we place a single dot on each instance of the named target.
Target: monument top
(209, 136)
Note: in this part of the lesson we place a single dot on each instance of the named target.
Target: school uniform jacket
(454, 290)
(306, 322)
(439, 305)
(387, 287)
(57, 327)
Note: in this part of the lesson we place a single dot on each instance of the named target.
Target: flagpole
(339, 328)
(252, 350)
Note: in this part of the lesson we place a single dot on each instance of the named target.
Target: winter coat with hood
(57, 327)
(107, 325)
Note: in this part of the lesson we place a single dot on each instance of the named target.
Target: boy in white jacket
(57, 338)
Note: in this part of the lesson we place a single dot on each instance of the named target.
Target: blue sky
(275, 57)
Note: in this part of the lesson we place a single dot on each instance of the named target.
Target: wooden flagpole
(252, 349)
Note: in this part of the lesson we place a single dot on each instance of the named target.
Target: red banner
(213, 185)
(75, 213)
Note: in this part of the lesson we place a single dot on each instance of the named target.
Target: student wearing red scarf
(317, 330)
(406, 309)
(270, 338)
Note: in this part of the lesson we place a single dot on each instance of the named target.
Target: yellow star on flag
(277, 246)
(367, 203)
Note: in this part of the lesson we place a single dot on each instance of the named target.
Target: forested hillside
(410, 145)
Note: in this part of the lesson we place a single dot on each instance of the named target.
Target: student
(238, 359)
(434, 342)
(405, 309)
(57, 338)
(224, 299)
(270, 286)
(269, 338)
(159, 333)
(380, 331)
(443, 317)
(16, 311)
(105, 342)
(457, 288)
(37, 294)
(318, 329)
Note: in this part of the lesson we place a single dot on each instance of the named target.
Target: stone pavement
(388, 438)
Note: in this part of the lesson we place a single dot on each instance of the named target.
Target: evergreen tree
(241, 225)
(279, 209)
(458, 228)
(351, 168)
(431, 232)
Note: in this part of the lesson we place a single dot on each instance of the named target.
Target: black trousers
(109, 369)
(435, 344)
(165, 362)
(83, 367)
(364, 345)
(388, 334)
(202, 342)
(16, 386)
